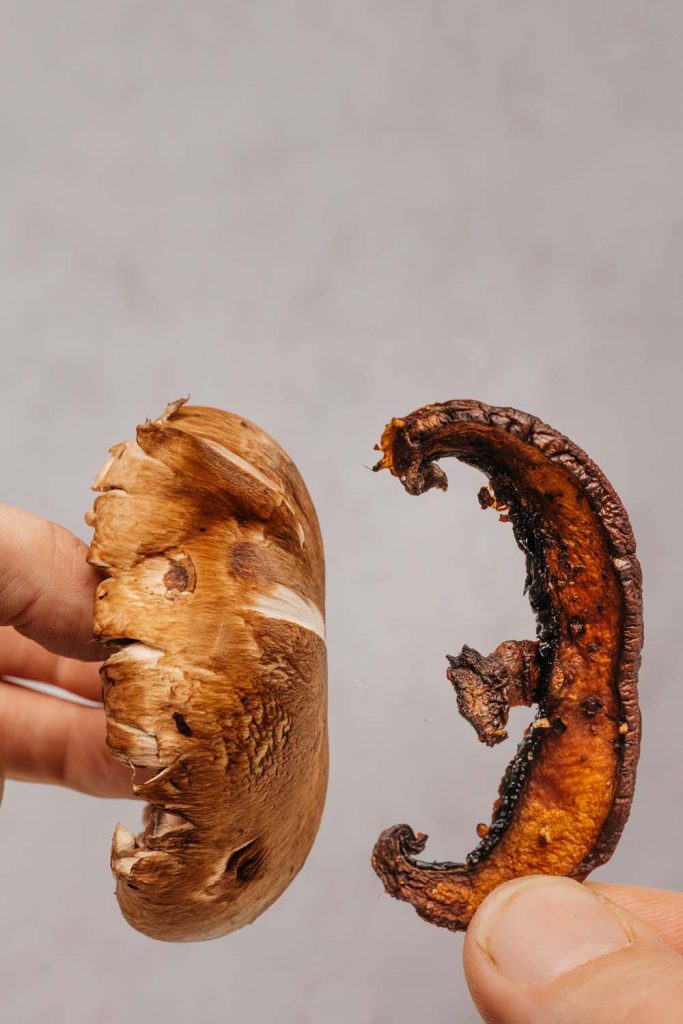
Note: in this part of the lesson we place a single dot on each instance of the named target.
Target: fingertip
(58, 742)
(544, 948)
(47, 588)
(536, 928)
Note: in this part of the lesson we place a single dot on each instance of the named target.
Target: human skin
(46, 596)
(549, 950)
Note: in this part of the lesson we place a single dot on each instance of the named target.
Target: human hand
(46, 596)
(543, 949)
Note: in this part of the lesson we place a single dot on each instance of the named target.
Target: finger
(659, 909)
(45, 739)
(26, 659)
(46, 586)
(543, 949)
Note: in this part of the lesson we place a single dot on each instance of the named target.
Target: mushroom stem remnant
(566, 795)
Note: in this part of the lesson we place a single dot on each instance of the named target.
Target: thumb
(547, 949)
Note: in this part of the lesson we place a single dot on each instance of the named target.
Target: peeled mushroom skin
(216, 690)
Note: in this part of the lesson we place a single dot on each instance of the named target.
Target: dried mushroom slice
(566, 795)
(215, 693)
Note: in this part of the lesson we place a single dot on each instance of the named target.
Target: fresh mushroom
(215, 693)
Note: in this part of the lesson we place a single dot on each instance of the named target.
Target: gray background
(320, 215)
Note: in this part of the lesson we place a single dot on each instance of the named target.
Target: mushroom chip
(215, 693)
(566, 795)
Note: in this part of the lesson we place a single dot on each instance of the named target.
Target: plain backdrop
(322, 214)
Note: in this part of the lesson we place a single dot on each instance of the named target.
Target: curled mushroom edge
(565, 797)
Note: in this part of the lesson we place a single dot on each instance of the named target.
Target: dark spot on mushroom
(591, 705)
(246, 561)
(576, 627)
(246, 861)
(248, 869)
(180, 576)
(558, 726)
(181, 725)
(176, 578)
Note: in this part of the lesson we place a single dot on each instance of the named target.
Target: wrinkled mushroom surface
(215, 692)
(565, 797)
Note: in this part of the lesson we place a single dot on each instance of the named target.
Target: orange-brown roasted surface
(566, 795)
(215, 694)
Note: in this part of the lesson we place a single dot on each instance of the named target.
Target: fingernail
(541, 927)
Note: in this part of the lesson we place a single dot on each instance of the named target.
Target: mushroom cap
(215, 693)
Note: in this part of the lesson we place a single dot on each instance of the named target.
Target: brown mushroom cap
(216, 691)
